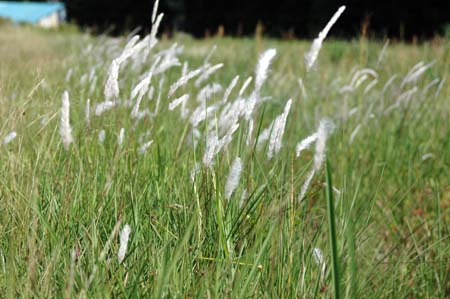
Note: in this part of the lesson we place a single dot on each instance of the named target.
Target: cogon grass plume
(124, 236)
(121, 137)
(10, 137)
(65, 130)
(145, 146)
(276, 137)
(326, 127)
(262, 69)
(311, 55)
(233, 177)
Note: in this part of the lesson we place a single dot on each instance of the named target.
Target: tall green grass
(379, 216)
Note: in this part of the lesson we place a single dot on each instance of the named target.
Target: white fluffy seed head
(276, 137)
(65, 130)
(121, 137)
(175, 103)
(124, 236)
(325, 128)
(318, 256)
(87, 112)
(229, 89)
(233, 177)
(101, 136)
(145, 146)
(263, 67)
(112, 85)
(208, 72)
(100, 108)
(10, 137)
(311, 56)
(305, 144)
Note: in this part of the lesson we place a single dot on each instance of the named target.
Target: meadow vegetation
(214, 193)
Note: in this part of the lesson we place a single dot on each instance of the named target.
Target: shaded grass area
(59, 208)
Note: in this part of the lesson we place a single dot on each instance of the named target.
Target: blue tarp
(29, 12)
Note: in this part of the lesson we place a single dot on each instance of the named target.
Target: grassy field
(377, 226)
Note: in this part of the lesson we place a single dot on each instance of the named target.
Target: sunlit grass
(59, 208)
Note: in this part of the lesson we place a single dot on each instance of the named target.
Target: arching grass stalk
(332, 231)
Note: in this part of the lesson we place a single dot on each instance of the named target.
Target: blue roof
(30, 12)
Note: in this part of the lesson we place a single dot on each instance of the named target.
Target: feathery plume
(383, 50)
(10, 137)
(233, 177)
(112, 85)
(175, 103)
(214, 145)
(305, 144)
(311, 56)
(121, 136)
(104, 106)
(302, 88)
(208, 72)
(87, 112)
(144, 147)
(354, 133)
(124, 236)
(69, 74)
(276, 137)
(208, 91)
(262, 68)
(318, 256)
(155, 11)
(229, 89)
(183, 80)
(65, 130)
(200, 114)
(325, 128)
(306, 185)
(101, 136)
(245, 85)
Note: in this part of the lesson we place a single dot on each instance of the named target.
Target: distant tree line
(282, 18)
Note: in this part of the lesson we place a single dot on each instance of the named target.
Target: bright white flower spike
(104, 106)
(318, 256)
(175, 103)
(10, 137)
(305, 144)
(427, 156)
(144, 147)
(69, 74)
(135, 111)
(229, 89)
(214, 145)
(306, 185)
(87, 112)
(311, 56)
(233, 177)
(276, 137)
(325, 128)
(208, 91)
(208, 72)
(263, 67)
(101, 136)
(155, 11)
(245, 85)
(112, 84)
(183, 80)
(124, 236)
(354, 133)
(65, 130)
(194, 171)
(121, 136)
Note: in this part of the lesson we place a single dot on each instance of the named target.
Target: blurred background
(287, 19)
